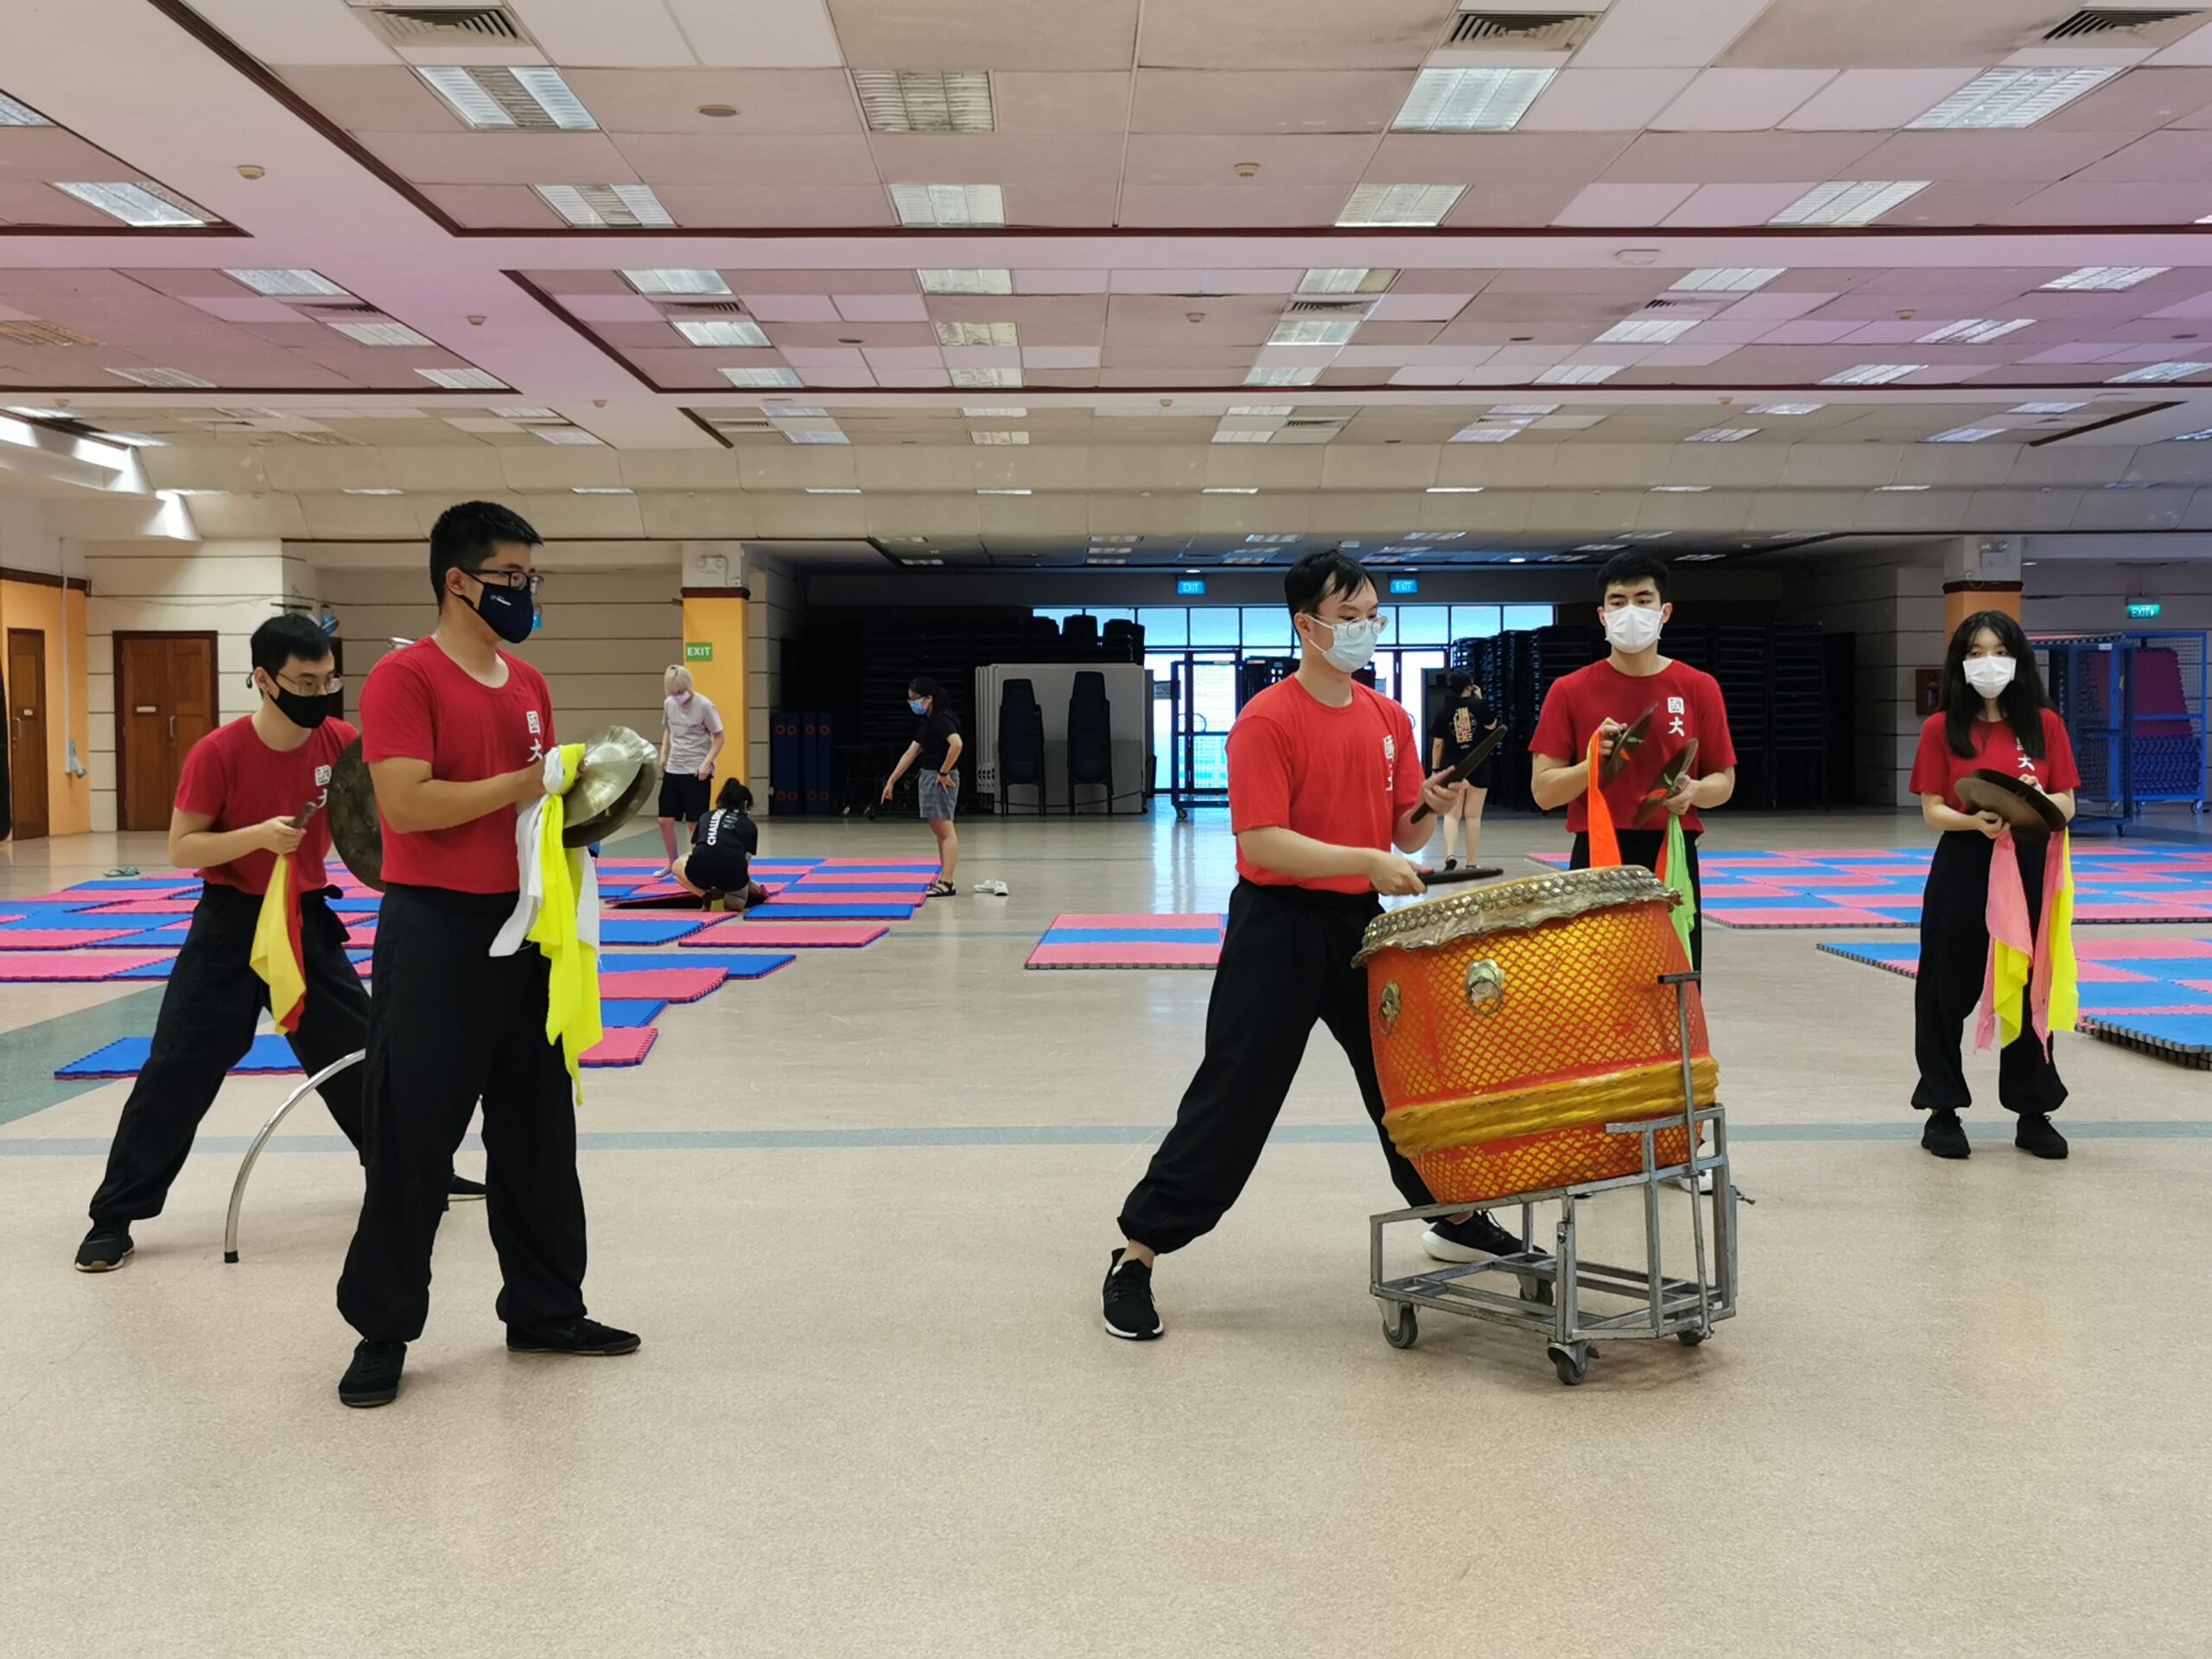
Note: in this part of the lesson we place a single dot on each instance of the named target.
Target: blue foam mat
(738, 965)
(775, 913)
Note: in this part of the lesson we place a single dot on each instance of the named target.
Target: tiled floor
(859, 1211)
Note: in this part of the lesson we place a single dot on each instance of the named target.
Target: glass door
(1192, 712)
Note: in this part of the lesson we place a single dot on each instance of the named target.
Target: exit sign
(1190, 585)
(1405, 584)
(2144, 610)
(696, 650)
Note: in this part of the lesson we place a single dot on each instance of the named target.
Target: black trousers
(1644, 847)
(1954, 958)
(453, 1025)
(205, 1027)
(1286, 962)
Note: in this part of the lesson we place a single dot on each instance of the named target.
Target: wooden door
(164, 703)
(26, 730)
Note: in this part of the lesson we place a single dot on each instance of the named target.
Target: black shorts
(1480, 777)
(684, 796)
(717, 869)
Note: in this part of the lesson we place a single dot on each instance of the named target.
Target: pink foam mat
(59, 938)
(2143, 950)
(1124, 956)
(737, 932)
(144, 908)
(680, 982)
(627, 1047)
(1209, 923)
(801, 896)
(61, 968)
(866, 878)
(926, 865)
(1811, 915)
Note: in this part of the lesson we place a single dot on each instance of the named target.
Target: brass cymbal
(2032, 815)
(619, 773)
(354, 828)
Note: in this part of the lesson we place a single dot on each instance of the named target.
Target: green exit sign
(2144, 610)
(696, 650)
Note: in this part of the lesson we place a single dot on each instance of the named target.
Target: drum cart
(1548, 1295)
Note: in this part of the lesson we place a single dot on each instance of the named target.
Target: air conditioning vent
(33, 331)
(446, 25)
(702, 307)
(744, 426)
(1292, 426)
(2135, 27)
(344, 308)
(1521, 31)
(1328, 308)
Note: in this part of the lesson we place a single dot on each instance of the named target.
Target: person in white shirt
(690, 737)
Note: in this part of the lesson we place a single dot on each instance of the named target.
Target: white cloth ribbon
(529, 867)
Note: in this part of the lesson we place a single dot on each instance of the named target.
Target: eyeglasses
(308, 686)
(509, 579)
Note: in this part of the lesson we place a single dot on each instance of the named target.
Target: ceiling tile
(2038, 155)
(1738, 158)
(283, 32)
(759, 34)
(391, 99)
(1687, 34)
(2158, 158)
(986, 34)
(767, 101)
(1045, 158)
(589, 33)
(2138, 101)
(504, 158)
(1290, 34)
(1626, 204)
(1740, 100)
(1875, 100)
(1459, 157)
(2079, 202)
(494, 207)
(1735, 204)
(1194, 159)
(1186, 207)
(1603, 100)
(1295, 101)
(806, 207)
(1027, 102)
(700, 158)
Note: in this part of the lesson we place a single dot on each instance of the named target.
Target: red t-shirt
(1937, 769)
(233, 778)
(1689, 703)
(419, 704)
(1339, 775)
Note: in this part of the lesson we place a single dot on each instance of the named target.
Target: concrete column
(1980, 573)
(714, 600)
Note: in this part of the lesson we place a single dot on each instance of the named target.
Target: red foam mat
(62, 938)
(1124, 956)
(737, 932)
(59, 967)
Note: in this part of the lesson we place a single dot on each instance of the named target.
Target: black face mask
(507, 610)
(306, 713)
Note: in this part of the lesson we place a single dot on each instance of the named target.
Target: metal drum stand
(253, 1152)
(1548, 1298)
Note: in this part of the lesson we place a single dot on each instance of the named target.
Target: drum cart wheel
(1400, 1327)
(1572, 1361)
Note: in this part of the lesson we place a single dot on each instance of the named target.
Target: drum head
(2031, 814)
(355, 830)
(1525, 904)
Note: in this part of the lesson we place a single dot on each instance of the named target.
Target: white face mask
(1354, 644)
(1634, 628)
(1989, 675)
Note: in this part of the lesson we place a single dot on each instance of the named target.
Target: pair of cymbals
(619, 773)
(2027, 812)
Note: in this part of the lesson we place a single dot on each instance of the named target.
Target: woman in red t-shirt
(1996, 716)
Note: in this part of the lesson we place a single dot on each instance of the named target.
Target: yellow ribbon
(572, 989)
(276, 955)
(2013, 969)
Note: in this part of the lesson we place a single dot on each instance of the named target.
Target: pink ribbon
(2007, 916)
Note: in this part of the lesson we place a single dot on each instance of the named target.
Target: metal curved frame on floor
(253, 1152)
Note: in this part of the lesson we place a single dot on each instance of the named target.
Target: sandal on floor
(942, 890)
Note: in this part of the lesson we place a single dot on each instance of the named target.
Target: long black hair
(2021, 703)
(734, 797)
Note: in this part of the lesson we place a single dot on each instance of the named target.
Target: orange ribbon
(1604, 847)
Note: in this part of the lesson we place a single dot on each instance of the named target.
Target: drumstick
(1445, 878)
(300, 821)
(1474, 757)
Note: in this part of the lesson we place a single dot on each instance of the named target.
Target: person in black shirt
(723, 846)
(1467, 716)
(937, 745)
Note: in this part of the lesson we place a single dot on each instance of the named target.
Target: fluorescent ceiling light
(666, 280)
(1265, 409)
(998, 437)
(1724, 434)
(381, 333)
(1645, 535)
(967, 280)
(1849, 201)
(1094, 559)
(1271, 541)
(2012, 97)
(463, 379)
(1873, 374)
(1965, 435)
(1786, 409)
(978, 334)
(530, 97)
(847, 490)
(1680, 489)
(1346, 279)
(761, 376)
(568, 436)
(191, 491)
(2103, 279)
(1899, 489)
(15, 114)
(1601, 547)
(175, 379)
(374, 491)
(2045, 409)
(731, 331)
(600, 489)
(1976, 331)
(815, 435)
(1399, 204)
(1283, 376)
(994, 411)
(776, 411)
(1455, 489)
(1469, 100)
(1726, 279)
(2198, 436)
(978, 379)
(1003, 492)
(1126, 541)
(606, 206)
(286, 281)
(1516, 559)
(1484, 433)
(924, 100)
(2154, 372)
(1643, 333)
(1436, 536)
(528, 412)
(979, 207)
(1529, 411)
(143, 206)
(1243, 434)
(1313, 331)
(1244, 558)
(1579, 374)
(1231, 489)
(1705, 559)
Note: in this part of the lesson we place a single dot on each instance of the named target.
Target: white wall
(607, 636)
(776, 613)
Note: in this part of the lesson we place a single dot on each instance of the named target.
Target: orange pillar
(714, 649)
(1962, 598)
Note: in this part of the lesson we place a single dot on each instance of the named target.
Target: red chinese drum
(1512, 1022)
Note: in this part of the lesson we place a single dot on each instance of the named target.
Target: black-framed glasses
(309, 688)
(510, 579)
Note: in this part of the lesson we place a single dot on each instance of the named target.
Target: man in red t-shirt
(1603, 699)
(1323, 777)
(243, 786)
(455, 732)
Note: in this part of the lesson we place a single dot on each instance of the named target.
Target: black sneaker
(1478, 1238)
(1945, 1135)
(1130, 1312)
(460, 1190)
(2034, 1136)
(571, 1337)
(105, 1249)
(374, 1377)
(1451, 863)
